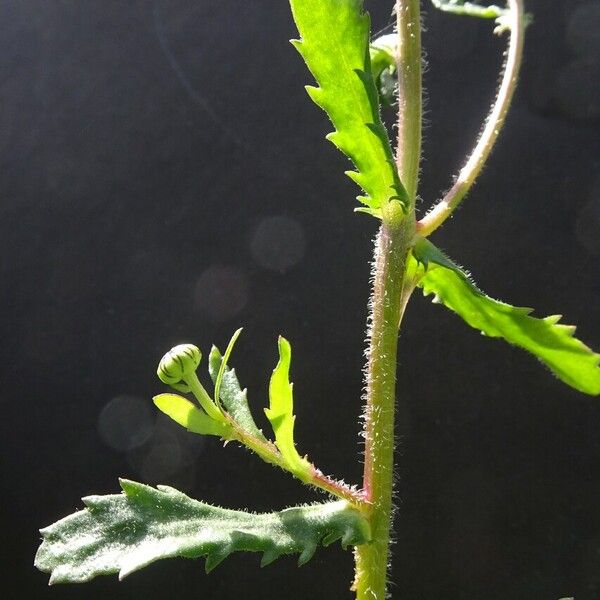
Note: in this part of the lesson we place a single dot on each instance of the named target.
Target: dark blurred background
(164, 178)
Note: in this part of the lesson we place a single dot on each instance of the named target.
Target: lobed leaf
(234, 399)
(335, 46)
(552, 343)
(122, 533)
(280, 412)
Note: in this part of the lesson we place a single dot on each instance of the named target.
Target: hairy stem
(469, 173)
(388, 300)
(408, 152)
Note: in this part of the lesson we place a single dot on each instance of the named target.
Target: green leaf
(335, 47)
(280, 413)
(122, 533)
(235, 400)
(552, 343)
(188, 415)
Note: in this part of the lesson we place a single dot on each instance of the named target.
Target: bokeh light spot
(278, 243)
(221, 292)
(126, 422)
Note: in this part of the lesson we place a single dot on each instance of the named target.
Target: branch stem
(469, 173)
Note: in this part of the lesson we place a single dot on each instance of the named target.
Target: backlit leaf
(335, 46)
(280, 412)
(553, 343)
(190, 416)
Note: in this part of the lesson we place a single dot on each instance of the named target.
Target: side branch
(469, 173)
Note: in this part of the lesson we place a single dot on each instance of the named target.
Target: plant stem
(469, 173)
(408, 152)
(387, 306)
(388, 300)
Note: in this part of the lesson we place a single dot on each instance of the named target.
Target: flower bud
(178, 362)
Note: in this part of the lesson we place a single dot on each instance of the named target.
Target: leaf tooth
(58, 576)
(167, 489)
(357, 177)
(307, 553)
(216, 557)
(316, 94)
(553, 319)
(372, 206)
(269, 556)
(133, 488)
(299, 45)
(337, 139)
(96, 503)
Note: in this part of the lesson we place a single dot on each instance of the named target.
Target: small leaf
(122, 533)
(188, 415)
(470, 9)
(335, 47)
(280, 413)
(473, 9)
(382, 52)
(223, 364)
(234, 399)
(552, 343)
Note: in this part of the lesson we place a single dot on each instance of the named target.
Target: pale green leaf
(123, 533)
(188, 415)
(281, 413)
(234, 399)
(552, 343)
(335, 46)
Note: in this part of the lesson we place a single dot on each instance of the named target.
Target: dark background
(164, 179)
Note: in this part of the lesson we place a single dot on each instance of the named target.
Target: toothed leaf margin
(122, 533)
(551, 342)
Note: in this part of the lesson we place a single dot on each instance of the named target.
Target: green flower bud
(177, 363)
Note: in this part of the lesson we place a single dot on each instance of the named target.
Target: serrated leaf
(335, 46)
(122, 533)
(233, 397)
(188, 415)
(281, 413)
(552, 343)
